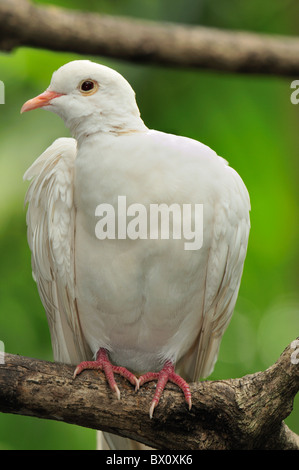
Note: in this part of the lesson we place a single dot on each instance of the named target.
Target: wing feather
(50, 232)
(222, 280)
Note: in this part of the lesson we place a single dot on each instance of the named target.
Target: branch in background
(245, 413)
(166, 44)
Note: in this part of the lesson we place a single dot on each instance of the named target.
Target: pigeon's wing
(51, 232)
(222, 280)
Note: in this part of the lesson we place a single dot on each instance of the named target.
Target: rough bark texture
(49, 27)
(245, 413)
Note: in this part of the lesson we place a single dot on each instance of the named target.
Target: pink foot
(102, 362)
(165, 375)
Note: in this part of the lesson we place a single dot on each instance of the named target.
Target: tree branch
(167, 44)
(245, 413)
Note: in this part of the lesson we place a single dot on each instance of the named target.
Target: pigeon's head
(90, 98)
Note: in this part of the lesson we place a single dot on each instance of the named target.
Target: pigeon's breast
(142, 294)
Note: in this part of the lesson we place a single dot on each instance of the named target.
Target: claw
(102, 362)
(162, 377)
(152, 408)
(116, 391)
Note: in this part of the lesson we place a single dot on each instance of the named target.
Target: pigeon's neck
(101, 123)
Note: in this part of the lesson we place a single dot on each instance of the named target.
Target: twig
(245, 413)
(167, 44)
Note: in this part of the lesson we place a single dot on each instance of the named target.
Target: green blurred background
(249, 120)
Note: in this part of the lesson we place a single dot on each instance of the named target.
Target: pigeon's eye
(88, 87)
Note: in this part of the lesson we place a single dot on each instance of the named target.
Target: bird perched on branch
(148, 303)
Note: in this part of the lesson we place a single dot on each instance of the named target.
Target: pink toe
(162, 377)
(102, 362)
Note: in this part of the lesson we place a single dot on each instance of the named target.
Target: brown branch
(25, 24)
(245, 413)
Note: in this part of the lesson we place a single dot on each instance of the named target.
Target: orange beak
(40, 101)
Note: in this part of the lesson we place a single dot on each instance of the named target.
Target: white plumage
(145, 301)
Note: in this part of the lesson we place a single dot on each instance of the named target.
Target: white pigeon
(149, 304)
